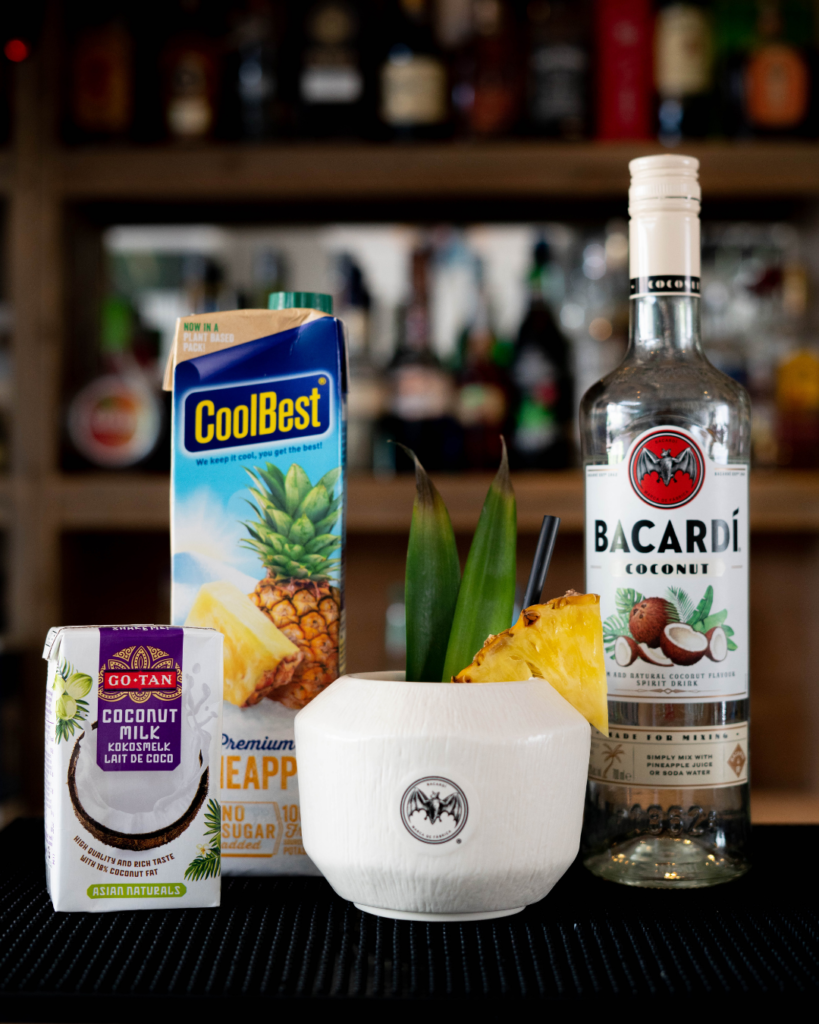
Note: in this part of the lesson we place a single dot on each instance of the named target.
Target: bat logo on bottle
(666, 468)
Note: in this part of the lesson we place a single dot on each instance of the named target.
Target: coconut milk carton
(257, 510)
(132, 731)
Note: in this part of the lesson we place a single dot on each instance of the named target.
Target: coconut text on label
(667, 543)
(140, 700)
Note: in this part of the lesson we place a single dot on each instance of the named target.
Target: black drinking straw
(543, 556)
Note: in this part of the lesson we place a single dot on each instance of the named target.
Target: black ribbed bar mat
(277, 941)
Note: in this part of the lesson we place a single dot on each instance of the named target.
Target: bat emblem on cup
(434, 809)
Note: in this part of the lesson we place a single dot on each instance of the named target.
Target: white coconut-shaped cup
(434, 801)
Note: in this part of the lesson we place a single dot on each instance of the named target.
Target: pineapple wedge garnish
(258, 657)
(560, 641)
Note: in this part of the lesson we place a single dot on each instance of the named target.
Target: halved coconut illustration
(648, 618)
(683, 644)
(654, 655)
(717, 644)
(626, 651)
(135, 810)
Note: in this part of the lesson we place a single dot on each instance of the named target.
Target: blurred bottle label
(102, 85)
(682, 51)
(777, 87)
(413, 91)
(624, 69)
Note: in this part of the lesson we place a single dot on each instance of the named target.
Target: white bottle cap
(664, 231)
(667, 176)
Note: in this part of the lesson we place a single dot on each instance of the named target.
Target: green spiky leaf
(626, 599)
(296, 486)
(315, 504)
(302, 530)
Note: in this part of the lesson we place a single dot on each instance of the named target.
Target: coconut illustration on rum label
(666, 631)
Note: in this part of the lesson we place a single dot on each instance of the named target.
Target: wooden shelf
(781, 502)
(505, 169)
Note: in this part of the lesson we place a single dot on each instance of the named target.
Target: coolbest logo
(667, 469)
(273, 410)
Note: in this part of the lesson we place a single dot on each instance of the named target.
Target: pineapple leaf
(297, 571)
(295, 551)
(275, 472)
(302, 530)
(315, 504)
(275, 485)
(327, 523)
(296, 485)
(321, 541)
(283, 522)
(329, 480)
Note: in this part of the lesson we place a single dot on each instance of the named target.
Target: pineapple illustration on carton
(258, 494)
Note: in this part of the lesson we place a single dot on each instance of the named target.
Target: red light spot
(16, 50)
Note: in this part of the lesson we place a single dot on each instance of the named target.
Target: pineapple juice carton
(257, 537)
(133, 723)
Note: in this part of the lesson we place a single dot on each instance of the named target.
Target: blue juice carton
(257, 539)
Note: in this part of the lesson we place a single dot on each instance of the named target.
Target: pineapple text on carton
(238, 772)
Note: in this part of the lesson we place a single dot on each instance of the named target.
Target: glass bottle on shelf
(797, 379)
(254, 107)
(101, 90)
(414, 101)
(116, 420)
(767, 67)
(487, 87)
(366, 391)
(332, 76)
(190, 63)
(666, 446)
(683, 70)
(540, 373)
(484, 396)
(623, 38)
(559, 68)
(420, 390)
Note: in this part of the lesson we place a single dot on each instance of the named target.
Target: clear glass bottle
(666, 449)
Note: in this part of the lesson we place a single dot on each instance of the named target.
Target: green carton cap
(300, 300)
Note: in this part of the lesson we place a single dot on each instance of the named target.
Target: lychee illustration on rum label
(666, 549)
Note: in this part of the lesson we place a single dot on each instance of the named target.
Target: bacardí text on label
(666, 442)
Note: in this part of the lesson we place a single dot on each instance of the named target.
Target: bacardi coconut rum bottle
(666, 444)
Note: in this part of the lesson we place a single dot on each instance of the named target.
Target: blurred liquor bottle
(366, 395)
(797, 380)
(190, 74)
(543, 414)
(268, 274)
(332, 77)
(116, 420)
(484, 393)
(421, 393)
(413, 81)
(767, 67)
(101, 90)
(559, 68)
(486, 86)
(254, 107)
(683, 70)
(623, 33)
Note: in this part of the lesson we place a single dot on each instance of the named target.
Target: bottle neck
(665, 328)
(664, 272)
